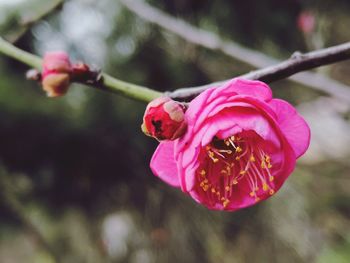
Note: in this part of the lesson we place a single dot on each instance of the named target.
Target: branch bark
(297, 63)
(254, 58)
(105, 81)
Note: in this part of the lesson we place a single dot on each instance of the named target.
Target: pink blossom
(306, 22)
(56, 73)
(239, 148)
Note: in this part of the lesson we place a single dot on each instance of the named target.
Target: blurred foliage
(79, 164)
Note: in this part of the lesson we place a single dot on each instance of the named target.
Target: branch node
(33, 74)
(297, 55)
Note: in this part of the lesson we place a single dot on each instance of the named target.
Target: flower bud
(164, 119)
(56, 73)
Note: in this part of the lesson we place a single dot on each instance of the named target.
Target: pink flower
(56, 73)
(164, 119)
(239, 148)
(306, 22)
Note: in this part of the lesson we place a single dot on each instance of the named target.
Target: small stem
(108, 83)
(128, 89)
(19, 54)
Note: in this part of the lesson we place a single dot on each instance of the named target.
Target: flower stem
(27, 58)
(129, 89)
(109, 83)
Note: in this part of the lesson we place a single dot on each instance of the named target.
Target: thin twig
(254, 58)
(107, 82)
(25, 57)
(296, 64)
(291, 66)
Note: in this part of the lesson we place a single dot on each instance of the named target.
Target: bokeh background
(76, 167)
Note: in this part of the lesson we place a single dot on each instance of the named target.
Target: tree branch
(254, 58)
(27, 58)
(297, 63)
(106, 82)
(293, 65)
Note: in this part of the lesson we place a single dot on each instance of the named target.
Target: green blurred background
(78, 165)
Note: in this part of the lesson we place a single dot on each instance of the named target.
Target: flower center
(235, 164)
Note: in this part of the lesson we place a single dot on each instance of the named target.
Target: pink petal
(239, 86)
(292, 125)
(233, 89)
(163, 163)
(197, 105)
(246, 119)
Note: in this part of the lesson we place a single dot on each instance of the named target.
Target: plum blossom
(239, 148)
(306, 22)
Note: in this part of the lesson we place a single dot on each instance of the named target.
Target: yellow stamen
(265, 187)
(225, 203)
(211, 155)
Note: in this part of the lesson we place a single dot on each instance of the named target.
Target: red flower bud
(56, 73)
(164, 119)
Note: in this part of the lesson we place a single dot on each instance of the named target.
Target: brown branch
(301, 62)
(296, 64)
(254, 58)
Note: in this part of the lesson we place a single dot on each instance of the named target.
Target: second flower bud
(164, 119)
